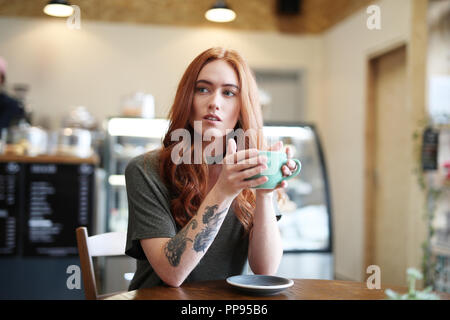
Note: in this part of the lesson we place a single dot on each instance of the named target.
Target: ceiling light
(220, 12)
(58, 8)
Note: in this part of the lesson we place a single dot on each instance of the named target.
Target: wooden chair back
(106, 244)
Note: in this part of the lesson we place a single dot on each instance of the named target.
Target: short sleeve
(148, 205)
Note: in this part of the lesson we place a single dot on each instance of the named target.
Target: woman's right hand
(238, 166)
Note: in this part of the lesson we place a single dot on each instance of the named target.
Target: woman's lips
(212, 116)
(211, 121)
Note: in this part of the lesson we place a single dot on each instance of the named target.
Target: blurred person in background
(11, 109)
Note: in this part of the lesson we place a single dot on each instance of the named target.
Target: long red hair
(188, 182)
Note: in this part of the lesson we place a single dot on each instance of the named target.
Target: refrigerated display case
(126, 138)
(305, 225)
(306, 213)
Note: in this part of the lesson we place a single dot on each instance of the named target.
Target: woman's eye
(202, 89)
(229, 93)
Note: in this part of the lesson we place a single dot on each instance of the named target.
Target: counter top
(49, 159)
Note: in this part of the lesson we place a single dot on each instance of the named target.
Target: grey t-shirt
(149, 216)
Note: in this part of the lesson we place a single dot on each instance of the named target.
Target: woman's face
(217, 98)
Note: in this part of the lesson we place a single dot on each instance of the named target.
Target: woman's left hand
(287, 169)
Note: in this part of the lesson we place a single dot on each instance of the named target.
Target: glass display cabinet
(306, 214)
(126, 138)
(305, 225)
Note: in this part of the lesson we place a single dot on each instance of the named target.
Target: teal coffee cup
(275, 160)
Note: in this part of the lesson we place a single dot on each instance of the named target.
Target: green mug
(275, 160)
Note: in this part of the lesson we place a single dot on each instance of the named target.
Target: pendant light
(58, 8)
(220, 12)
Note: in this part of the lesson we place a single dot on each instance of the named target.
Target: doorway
(386, 175)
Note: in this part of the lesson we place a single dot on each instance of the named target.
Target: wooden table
(303, 289)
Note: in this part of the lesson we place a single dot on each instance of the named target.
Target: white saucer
(260, 284)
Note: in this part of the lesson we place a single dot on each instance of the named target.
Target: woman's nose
(215, 102)
(213, 106)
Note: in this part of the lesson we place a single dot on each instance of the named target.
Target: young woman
(195, 221)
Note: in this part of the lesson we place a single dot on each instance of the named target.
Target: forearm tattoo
(206, 236)
(176, 246)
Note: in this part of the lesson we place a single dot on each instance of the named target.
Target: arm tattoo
(176, 246)
(206, 236)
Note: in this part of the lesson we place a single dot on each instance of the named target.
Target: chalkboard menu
(11, 176)
(58, 199)
(41, 205)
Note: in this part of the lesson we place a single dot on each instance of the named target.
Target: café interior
(359, 89)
